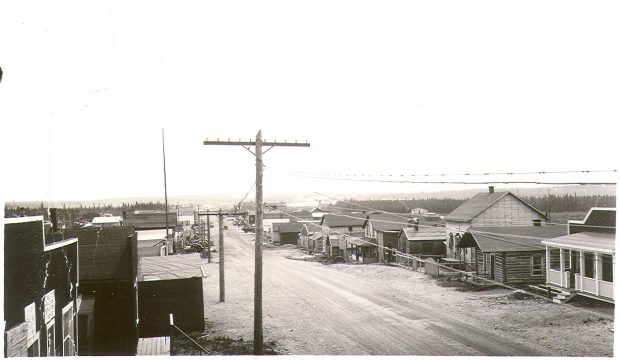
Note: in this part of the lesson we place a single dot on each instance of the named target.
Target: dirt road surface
(315, 309)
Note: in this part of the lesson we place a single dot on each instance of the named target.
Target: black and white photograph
(309, 178)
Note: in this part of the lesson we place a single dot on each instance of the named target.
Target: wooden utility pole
(163, 146)
(221, 252)
(208, 247)
(258, 254)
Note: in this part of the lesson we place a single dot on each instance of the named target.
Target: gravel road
(315, 309)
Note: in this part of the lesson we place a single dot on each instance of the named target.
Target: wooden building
(335, 225)
(40, 289)
(510, 254)
(492, 208)
(287, 233)
(170, 285)
(150, 220)
(384, 228)
(108, 288)
(586, 257)
(422, 240)
(359, 248)
(309, 236)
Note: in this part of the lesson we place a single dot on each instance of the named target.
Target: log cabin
(510, 255)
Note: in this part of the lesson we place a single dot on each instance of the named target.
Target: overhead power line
(450, 174)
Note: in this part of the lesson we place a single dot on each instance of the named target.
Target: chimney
(537, 222)
(54, 219)
(491, 189)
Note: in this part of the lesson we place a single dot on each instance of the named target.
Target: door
(492, 266)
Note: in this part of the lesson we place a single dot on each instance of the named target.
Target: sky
(376, 87)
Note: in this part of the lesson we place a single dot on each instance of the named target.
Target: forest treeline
(550, 203)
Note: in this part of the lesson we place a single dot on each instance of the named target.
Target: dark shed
(170, 285)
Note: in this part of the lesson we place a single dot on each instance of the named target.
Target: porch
(589, 273)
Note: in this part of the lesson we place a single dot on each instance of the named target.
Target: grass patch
(219, 345)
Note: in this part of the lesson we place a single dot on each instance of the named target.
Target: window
(51, 339)
(537, 265)
(608, 268)
(566, 254)
(67, 331)
(588, 264)
(554, 259)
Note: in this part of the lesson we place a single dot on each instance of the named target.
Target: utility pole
(258, 254)
(163, 146)
(208, 247)
(221, 251)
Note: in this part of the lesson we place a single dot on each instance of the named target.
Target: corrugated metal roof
(585, 241)
(170, 267)
(480, 202)
(510, 238)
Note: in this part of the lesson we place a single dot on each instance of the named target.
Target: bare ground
(343, 309)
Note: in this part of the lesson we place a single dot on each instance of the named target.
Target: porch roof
(510, 238)
(589, 241)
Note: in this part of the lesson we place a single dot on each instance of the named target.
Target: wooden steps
(558, 295)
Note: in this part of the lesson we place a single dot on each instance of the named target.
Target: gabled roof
(170, 267)
(335, 220)
(105, 253)
(589, 241)
(284, 228)
(510, 238)
(424, 233)
(389, 222)
(473, 207)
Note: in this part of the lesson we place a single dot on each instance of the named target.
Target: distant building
(422, 240)
(150, 220)
(40, 289)
(317, 213)
(486, 209)
(107, 221)
(419, 211)
(334, 225)
(385, 228)
(310, 236)
(287, 233)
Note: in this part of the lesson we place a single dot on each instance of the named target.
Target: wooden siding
(508, 211)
